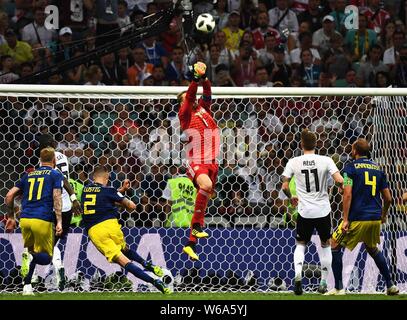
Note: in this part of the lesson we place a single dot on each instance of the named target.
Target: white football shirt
(311, 172)
(63, 166)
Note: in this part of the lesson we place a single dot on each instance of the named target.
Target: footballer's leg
(381, 263)
(57, 256)
(125, 263)
(303, 235)
(148, 265)
(324, 231)
(205, 185)
(337, 264)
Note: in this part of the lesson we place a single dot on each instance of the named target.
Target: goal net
(136, 132)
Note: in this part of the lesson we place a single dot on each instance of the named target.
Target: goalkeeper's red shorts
(210, 169)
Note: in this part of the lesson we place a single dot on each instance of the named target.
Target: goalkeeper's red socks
(201, 203)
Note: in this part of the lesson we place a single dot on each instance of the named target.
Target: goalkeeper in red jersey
(201, 151)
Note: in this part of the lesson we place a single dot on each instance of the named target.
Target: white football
(205, 23)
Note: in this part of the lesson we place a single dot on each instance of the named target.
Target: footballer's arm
(9, 200)
(347, 199)
(57, 197)
(387, 202)
(76, 206)
(127, 204)
(207, 94)
(338, 179)
(185, 109)
(286, 189)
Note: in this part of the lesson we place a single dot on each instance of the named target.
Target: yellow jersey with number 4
(367, 180)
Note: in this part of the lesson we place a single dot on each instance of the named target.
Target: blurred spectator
(148, 80)
(248, 14)
(135, 74)
(123, 18)
(113, 74)
(212, 62)
(221, 14)
(78, 19)
(382, 79)
(305, 44)
(36, 32)
(26, 69)
(282, 18)
(400, 69)
(359, 42)
(77, 74)
(6, 73)
(222, 77)
(386, 36)
(173, 36)
(159, 76)
(249, 41)
(350, 78)
(155, 52)
(321, 37)
(293, 38)
(339, 15)
(137, 17)
(19, 50)
(124, 58)
(313, 15)
(65, 48)
(139, 145)
(366, 75)
(266, 55)
(107, 27)
(94, 76)
(262, 30)
(391, 55)
(4, 25)
(226, 56)
(42, 57)
(245, 66)
(326, 79)
(176, 69)
(335, 61)
(279, 71)
(261, 78)
(376, 16)
(202, 6)
(71, 146)
(308, 71)
(232, 32)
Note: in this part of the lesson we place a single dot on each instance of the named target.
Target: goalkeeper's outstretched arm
(187, 101)
(207, 94)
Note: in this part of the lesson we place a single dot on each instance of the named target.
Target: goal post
(136, 132)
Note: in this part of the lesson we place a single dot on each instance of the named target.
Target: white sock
(326, 262)
(56, 258)
(299, 254)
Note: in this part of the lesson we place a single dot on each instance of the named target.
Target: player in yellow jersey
(100, 216)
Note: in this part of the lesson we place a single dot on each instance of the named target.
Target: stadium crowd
(256, 43)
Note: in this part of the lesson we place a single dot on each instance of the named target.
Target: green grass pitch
(196, 296)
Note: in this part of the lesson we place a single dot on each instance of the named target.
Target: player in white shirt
(70, 205)
(311, 173)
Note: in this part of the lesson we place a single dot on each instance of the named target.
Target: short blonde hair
(47, 154)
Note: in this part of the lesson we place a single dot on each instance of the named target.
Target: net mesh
(251, 226)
